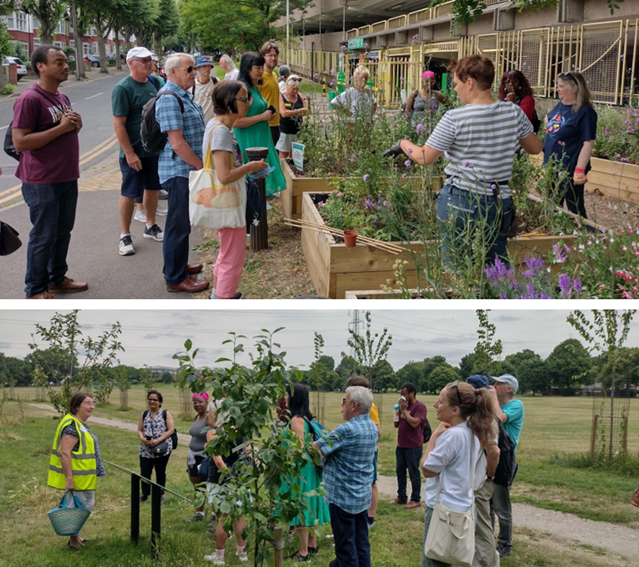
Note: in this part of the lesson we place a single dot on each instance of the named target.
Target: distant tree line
(566, 368)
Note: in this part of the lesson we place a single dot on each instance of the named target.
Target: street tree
(48, 13)
(261, 488)
(530, 370)
(568, 365)
(82, 356)
(122, 379)
(146, 377)
(167, 378)
(6, 47)
(441, 375)
(413, 372)
(166, 24)
(384, 377)
(466, 365)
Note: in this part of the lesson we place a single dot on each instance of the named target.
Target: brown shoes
(412, 504)
(192, 269)
(67, 285)
(399, 501)
(189, 285)
(42, 295)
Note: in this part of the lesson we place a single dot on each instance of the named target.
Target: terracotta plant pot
(350, 237)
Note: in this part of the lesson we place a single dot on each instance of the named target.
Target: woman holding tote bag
(454, 469)
(231, 100)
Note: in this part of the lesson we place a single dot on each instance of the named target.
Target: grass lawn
(396, 540)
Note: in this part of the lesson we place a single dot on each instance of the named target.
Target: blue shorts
(135, 182)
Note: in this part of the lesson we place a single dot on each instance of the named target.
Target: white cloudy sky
(151, 337)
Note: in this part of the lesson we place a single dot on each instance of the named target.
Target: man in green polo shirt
(510, 412)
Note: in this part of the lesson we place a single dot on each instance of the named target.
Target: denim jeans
(352, 547)
(502, 508)
(408, 459)
(469, 212)
(52, 213)
(176, 231)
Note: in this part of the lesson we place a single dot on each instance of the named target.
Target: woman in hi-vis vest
(75, 456)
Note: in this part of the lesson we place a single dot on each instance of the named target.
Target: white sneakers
(243, 557)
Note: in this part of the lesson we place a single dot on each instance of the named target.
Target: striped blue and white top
(479, 142)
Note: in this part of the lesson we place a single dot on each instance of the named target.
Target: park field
(554, 428)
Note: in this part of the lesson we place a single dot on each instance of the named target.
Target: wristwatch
(490, 478)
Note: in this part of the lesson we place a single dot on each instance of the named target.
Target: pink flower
(366, 176)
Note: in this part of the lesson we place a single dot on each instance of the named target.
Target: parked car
(111, 57)
(93, 59)
(22, 68)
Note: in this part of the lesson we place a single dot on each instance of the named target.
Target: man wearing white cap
(511, 414)
(202, 91)
(139, 168)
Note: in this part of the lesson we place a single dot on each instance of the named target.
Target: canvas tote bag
(451, 535)
(212, 204)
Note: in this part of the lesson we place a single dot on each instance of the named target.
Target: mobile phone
(403, 398)
(148, 437)
(272, 109)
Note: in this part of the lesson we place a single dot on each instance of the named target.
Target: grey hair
(363, 397)
(227, 59)
(173, 61)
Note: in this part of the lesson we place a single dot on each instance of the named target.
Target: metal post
(156, 520)
(312, 60)
(593, 435)
(288, 38)
(135, 508)
(279, 547)
(259, 231)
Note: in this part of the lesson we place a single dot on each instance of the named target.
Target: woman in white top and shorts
(468, 425)
(293, 107)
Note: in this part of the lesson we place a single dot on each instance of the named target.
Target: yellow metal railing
(419, 16)
(379, 26)
(397, 22)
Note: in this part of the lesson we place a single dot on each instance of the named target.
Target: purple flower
(369, 204)
(565, 285)
(403, 175)
(365, 45)
(366, 176)
(534, 263)
(407, 163)
(544, 295)
(420, 128)
(319, 139)
(332, 71)
(577, 285)
(409, 151)
(560, 256)
(416, 37)
(386, 204)
(375, 220)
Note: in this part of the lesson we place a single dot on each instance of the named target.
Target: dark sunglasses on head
(566, 74)
(455, 384)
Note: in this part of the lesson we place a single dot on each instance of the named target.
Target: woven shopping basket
(68, 521)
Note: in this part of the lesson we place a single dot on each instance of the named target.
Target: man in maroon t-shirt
(410, 444)
(45, 132)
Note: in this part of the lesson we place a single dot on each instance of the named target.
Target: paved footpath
(610, 537)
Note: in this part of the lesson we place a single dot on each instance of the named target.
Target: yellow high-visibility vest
(83, 462)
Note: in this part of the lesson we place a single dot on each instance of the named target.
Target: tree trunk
(140, 38)
(118, 61)
(101, 45)
(157, 45)
(79, 57)
(46, 33)
(3, 78)
(129, 33)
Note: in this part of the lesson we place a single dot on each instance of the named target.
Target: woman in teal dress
(317, 514)
(253, 130)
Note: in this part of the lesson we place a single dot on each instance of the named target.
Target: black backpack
(427, 431)
(153, 139)
(174, 435)
(507, 467)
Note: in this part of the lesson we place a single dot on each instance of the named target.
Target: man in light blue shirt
(349, 451)
(510, 412)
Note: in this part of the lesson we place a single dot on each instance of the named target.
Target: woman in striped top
(479, 141)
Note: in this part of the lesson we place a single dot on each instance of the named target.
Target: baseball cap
(507, 379)
(477, 381)
(202, 61)
(141, 52)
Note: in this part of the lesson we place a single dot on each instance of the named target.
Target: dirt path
(610, 537)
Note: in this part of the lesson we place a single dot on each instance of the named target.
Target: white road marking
(89, 98)
(4, 127)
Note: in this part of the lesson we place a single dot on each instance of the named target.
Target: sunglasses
(344, 401)
(455, 384)
(153, 400)
(243, 98)
(189, 69)
(298, 83)
(568, 74)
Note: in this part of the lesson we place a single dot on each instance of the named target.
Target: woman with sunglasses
(293, 107)
(231, 102)
(468, 424)
(571, 129)
(253, 130)
(154, 430)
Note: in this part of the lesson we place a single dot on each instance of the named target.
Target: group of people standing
(481, 139)
(460, 462)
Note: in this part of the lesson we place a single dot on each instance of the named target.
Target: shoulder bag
(213, 204)
(161, 449)
(451, 535)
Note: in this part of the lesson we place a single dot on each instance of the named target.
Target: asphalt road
(93, 254)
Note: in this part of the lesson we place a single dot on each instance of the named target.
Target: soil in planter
(277, 273)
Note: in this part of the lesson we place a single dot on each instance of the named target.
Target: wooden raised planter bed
(611, 178)
(297, 186)
(336, 269)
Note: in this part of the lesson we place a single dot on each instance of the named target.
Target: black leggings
(574, 197)
(146, 468)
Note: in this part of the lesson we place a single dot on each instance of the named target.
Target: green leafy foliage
(487, 349)
(568, 365)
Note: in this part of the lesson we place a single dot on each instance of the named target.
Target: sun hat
(141, 52)
(203, 61)
(477, 381)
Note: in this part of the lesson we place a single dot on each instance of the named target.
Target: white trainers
(126, 247)
(154, 232)
(140, 215)
(214, 559)
(242, 556)
(162, 211)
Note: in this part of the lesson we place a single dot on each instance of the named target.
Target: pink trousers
(230, 261)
